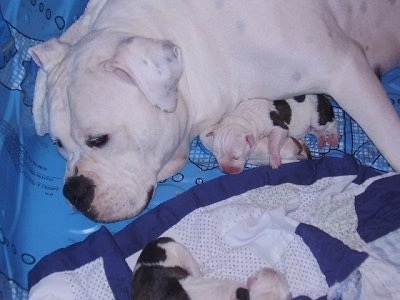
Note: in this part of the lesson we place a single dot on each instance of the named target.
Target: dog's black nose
(79, 190)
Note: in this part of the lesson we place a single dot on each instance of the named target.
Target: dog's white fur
(113, 74)
(249, 134)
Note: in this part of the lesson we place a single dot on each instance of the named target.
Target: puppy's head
(230, 144)
(268, 284)
(110, 103)
(158, 271)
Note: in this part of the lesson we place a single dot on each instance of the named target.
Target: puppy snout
(229, 169)
(79, 190)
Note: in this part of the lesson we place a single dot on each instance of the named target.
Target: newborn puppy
(307, 114)
(258, 153)
(166, 270)
(267, 284)
(235, 140)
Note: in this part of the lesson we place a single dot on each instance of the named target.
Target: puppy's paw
(275, 161)
(333, 140)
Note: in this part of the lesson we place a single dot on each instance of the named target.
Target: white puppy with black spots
(267, 132)
(166, 269)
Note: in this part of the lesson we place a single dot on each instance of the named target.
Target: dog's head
(230, 144)
(110, 103)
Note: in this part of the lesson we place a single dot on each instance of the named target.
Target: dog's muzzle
(79, 190)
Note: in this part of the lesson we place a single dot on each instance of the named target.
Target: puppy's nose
(79, 190)
(228, 169)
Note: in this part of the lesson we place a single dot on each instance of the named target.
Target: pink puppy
(166, 270)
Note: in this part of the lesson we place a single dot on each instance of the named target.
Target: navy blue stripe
(378, 208)
(335, 259)
(99, 244)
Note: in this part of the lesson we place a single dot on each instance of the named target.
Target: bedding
(349, 201)
(336, 241)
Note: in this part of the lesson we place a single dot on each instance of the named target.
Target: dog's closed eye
(97, 141)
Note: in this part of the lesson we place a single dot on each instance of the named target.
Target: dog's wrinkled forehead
(152, 66)
(98, 85)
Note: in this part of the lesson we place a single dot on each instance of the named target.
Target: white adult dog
(129, 84)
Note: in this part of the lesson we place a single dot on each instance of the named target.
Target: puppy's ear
(207, 137)
(154, 65)
(250, 139)
(48, 54)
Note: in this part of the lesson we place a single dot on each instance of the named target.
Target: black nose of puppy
(79, 190)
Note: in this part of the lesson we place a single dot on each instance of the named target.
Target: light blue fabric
(7, 44)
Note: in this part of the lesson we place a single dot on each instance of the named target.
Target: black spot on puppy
(242, 294)
(159, 283)
(152, 281)
(283, 114)
(300, 98)
(152, 253)
(325, 110)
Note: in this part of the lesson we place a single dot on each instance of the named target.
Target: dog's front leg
(176, 162)
(358, 91)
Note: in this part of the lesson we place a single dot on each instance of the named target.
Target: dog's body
(131, 78)
(167, 270)
(259, 131)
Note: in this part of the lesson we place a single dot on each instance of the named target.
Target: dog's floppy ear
(154, 65)
(46, 55)
(40, 108)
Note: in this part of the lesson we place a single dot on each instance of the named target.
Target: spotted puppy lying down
(166, 270)
(266, 132)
